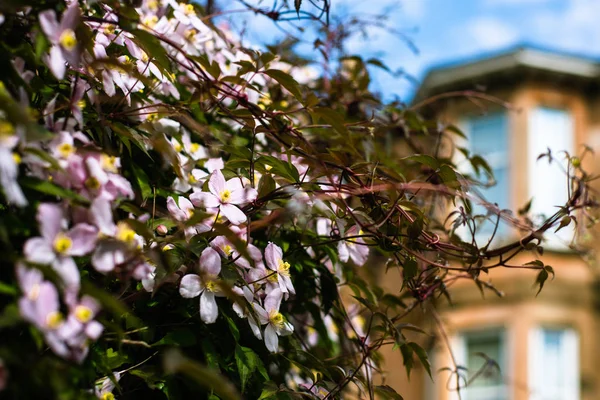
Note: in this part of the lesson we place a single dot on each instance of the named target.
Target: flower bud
(161, 229)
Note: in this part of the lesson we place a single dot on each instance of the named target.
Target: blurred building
(547, 347)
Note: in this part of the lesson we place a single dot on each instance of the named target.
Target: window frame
(570, 346)
(459, 345)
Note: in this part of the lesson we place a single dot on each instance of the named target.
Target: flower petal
(216, 183)
(204, 200)
(273, 300)
(233, 214)
(271, 339)
(273, 254)
(190, 286)
(56, 62)
(66, 268)
(210, 261)
(208, 307)
(38, 250)
(50, 218)
(102, 216)
(175, 211)
(84, 238)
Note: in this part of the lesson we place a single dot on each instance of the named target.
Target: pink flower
(204, 285)
(225, 195)
(57, 245)
(275, 321)
(354, 248)
(274, 259)
(62, 36)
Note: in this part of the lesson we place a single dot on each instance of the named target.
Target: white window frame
(570, 366)
(544, 186)
(459, 346)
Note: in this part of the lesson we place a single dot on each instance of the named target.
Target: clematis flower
(274, 259)
(104, 387)
(62, 37)
(244, 312)
(9, 164)
(355, 249)
(275, 321)
(57, 245)
(225, 195)
(204, 285)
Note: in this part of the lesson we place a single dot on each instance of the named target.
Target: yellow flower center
(177, 147)
(54, 319)
(283, 268)
(109, 29)
(268, 167)
(227, 250)
(188, 9)
(145, 57)
(81, 104)
(150, 21)
(225, 195)
(62, 243)
(83, 314)
(276, 318)
(92, 183)
(190, 213)
(67, 39)
(210, 285)
(194, 147)
(125, 233)
(168, 247)
(190, 34)
(65, 150)
(272, 277)
(109, 163)
(107, 396)
(6, 128)
(152, 5)
(16, 158)
(192, 179)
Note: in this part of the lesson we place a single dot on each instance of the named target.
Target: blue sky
(450, 30)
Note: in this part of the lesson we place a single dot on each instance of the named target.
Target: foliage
(182, 215)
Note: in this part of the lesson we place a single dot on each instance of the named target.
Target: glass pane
(490, 346)
(553, 363)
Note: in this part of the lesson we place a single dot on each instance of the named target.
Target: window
(488, 137)
(549, 128)
(484, 356)
(554, 364)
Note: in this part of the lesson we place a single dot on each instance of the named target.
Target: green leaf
(540, 280)
(287, 81)
(424, 159)
(266, 185)
(387, 392)
(269, 391)
(151, 45)
(247, 362)
(566, 220)
(50, 188)
(410, 268)
(422, 355)
(142, 180)
(176, 363)
(331, 117)
(180, 337)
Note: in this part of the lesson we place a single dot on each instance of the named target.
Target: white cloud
(574, 28)
(489, 33)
